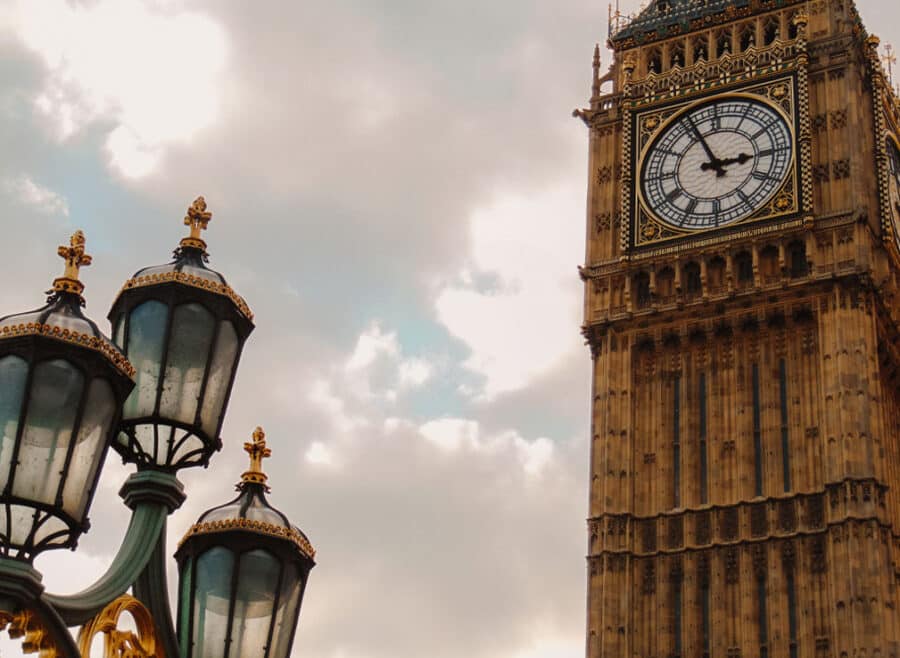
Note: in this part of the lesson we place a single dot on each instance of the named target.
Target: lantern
(62, 385)
(183, 327)
(243, 569)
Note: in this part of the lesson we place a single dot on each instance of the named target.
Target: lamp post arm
(147, 523)
(151, 588)
(152, 495)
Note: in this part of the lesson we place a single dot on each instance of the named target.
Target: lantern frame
(184, 281)
(59, 332)
(239, 535)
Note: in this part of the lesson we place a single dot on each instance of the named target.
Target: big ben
(742, 312)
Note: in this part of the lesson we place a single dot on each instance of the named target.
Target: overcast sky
(398, 191)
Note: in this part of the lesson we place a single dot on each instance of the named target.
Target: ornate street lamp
(66, 394)
(62, 384)
(183, 328)
(243, 569)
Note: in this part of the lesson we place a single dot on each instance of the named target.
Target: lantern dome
(62, 384)
(184, 328)
(243, 568)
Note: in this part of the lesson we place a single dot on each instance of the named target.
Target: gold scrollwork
(35, 638)
(118, 643)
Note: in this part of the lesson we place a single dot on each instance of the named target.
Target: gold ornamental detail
(35, 638)
(75, 337)
(197, 218)
(121, 643)
(75, 258)
(258, 451)
(271, 529)
(194, 281)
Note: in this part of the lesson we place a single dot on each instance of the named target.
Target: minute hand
(713, 160)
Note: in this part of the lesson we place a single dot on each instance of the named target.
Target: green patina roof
(660, 16)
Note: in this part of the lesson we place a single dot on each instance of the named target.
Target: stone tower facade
(742, 311)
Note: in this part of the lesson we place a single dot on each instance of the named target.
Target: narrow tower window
(706, 612)
(748, 37)
(676, 443)
(763, 618)
(757, 435)
(792, 614)
(744, 265)
(677, 585)
(692, 281)
(771, 31)
(704, 477)
(723, 43)
(701, 50)
(785, 443)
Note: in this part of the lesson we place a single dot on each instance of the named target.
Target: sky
(398, 191)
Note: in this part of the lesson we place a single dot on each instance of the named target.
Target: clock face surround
(894, 166)
(716, 163)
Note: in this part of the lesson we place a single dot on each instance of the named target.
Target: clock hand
(719, 165)
(713, 160)
(741, 159)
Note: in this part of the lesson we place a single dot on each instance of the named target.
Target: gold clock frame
(892, 221)
(782, 94)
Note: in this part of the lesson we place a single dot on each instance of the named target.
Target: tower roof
(664, 18)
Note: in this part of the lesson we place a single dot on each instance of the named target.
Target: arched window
(743, 264)
(676, 55)
(748, 36)
(768, 264)
(654, 61)
(799, 265)
(665, 284)
(692, 283)
(771, 30)
(723, 43)
(701, 49)
(715, 273)
(642, 289)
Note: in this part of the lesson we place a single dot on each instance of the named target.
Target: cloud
(523, 320)
(36, 196)
(154, 74)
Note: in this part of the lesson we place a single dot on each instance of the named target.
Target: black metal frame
(173, 294)
(238, 542)
(36, 349)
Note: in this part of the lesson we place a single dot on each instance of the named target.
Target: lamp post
(157, 393)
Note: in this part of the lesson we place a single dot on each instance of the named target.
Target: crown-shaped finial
(75, 259)
(198, 219)
(258, 451)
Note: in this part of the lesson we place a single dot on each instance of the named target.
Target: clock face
(716, 163)
(894, 160)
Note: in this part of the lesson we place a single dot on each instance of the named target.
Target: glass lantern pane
(192, 332)
(286, 619)
(255, 602)
(212, 600)
(146, 333)
(92, 433)
(219, 377)
(13, 373)
(119, 331)
(55, 394)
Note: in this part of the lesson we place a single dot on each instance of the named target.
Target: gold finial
(890, 59)
(198, 219)
(75, 259)
(258, 451)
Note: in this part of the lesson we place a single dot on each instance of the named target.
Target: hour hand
(741, 159)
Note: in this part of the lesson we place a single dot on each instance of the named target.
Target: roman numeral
(692, 205)
(674, 194)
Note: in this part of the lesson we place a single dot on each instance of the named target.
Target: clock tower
(742, 311)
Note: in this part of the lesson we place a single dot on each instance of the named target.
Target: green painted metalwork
(153, 496)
